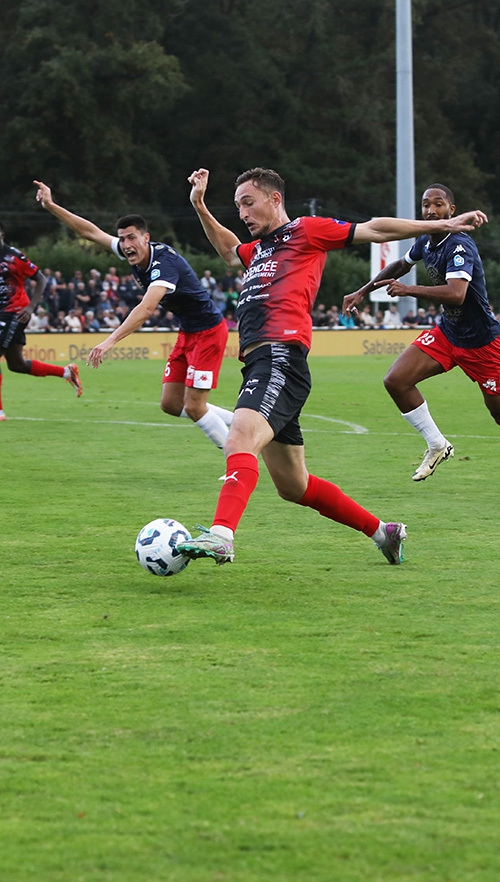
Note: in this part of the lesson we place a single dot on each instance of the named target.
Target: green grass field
(307, 713)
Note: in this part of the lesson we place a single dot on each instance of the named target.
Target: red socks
(242, 474)
(329, 501)
(40, 369)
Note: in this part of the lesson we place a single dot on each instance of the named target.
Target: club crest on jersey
(155, 274)
(458, 260)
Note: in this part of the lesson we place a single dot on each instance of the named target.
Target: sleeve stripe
(459, 274)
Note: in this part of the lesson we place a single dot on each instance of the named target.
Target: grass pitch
(307, 713)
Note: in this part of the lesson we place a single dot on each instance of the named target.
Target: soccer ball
(155, 547)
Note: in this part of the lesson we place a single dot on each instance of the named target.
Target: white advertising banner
(382, 254)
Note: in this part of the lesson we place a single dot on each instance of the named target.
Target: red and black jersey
(14, 269)
(283, 274)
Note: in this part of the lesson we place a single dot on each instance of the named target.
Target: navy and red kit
(15, 268)
(471, 325)
(283, 274)
(185, 296)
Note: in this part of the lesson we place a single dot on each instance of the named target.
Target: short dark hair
(263, 178)
(446, 190)
(132, 220)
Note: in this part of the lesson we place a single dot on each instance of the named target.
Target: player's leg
(222, 412)
(20, 365)
(172, 395)
(205, 359)
(195, 362)
(196, 407)
(5, 336)
(413, 366)
(402, 378)
(15, 359)
(186, 401)
(483, 367)
(287, 467)
(276, 383)
(492, 402)
(2, 414)
(204, 351)
(248, 434)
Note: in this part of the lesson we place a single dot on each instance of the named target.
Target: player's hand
(199, 182)
(43, 194)
(351, 301)
(95, 356)
(468, 221)
(25, 314)
(394, 288)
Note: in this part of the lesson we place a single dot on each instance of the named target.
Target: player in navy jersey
(467, 334)
(283, 267)
(167, 279)
(16, 309)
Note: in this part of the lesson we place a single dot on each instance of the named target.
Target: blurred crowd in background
(101, 303)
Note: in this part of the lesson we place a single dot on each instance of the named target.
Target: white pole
(405, 164)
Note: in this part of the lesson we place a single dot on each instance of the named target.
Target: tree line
(115, 103)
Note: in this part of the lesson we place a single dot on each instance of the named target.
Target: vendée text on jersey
(266, 269)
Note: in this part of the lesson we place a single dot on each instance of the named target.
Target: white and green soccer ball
(156, 550)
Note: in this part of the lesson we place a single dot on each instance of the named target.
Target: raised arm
(80, 225)
(224, 241)
(387, 229)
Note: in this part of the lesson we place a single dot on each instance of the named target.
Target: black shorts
(276, 383)
(11, 330)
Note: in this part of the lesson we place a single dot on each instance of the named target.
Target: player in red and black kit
(283, 266)
(16, 309)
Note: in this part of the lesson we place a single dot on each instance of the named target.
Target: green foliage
(344, 272)
(85, 101)
(492, 273)
(67, 254)
(115, 104)
(201, 262)
(457, 105)
(306, 713)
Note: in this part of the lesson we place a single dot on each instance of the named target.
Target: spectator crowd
(101, 304)
(365, 319)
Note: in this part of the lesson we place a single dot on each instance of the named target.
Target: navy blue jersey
(185, 296)
(472, 324)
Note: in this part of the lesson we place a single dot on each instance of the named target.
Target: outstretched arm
(392, 271)
(80, 225)
(224, 241)
(133, 322)
(387, 229)
(452, 293)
